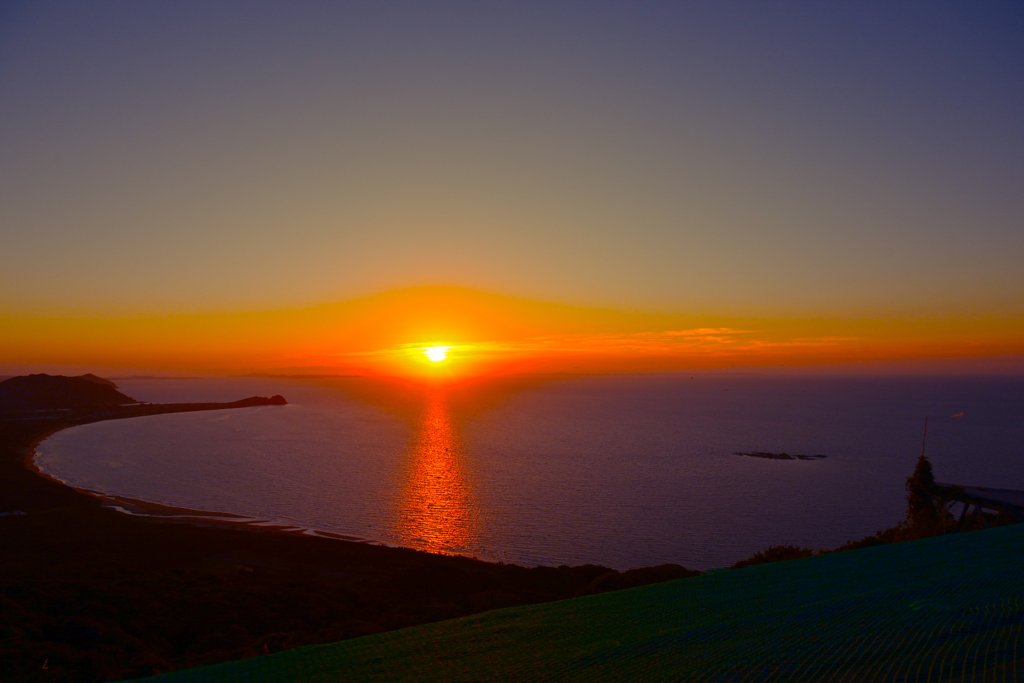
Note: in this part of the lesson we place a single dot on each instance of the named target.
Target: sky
(841, 179)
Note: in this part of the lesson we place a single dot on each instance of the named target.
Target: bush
(775, 553)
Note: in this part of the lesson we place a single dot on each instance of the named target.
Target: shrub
(775, 553)
(924, 511)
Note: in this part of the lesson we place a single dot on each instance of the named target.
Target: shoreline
(95, 593)
(161, 588)
(137, 507)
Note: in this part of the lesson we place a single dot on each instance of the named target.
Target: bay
(620, 470)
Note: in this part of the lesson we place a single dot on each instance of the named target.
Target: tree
(922, 507)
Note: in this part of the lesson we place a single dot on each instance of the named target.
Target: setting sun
(436, 353)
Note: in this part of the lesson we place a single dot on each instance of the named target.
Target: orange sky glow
(395, 333)
(316, 188)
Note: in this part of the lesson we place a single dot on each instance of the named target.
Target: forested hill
(37, 392)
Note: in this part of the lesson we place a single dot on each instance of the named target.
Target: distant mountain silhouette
(36, 392)
(98, 380)
(275, 400)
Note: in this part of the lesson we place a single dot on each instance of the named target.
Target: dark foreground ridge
(90, 594)
(935, 610)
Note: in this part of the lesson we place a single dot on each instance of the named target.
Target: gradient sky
(839, 161)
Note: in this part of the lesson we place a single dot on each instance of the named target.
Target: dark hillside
(37, 392)
(98, 380)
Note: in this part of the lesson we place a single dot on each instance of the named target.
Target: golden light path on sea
(436, 503)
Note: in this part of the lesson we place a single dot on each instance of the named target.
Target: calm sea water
(624, 471)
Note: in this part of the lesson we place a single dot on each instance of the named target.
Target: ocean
(620, 470)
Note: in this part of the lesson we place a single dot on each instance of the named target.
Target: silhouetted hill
(275, 400)
(36, 392)
(98, 380)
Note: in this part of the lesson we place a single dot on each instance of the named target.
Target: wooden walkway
(1003, 501)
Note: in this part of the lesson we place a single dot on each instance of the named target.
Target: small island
(782, 456)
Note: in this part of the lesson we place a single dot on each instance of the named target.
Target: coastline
(102, 587)
(137, 507)
(95, 593)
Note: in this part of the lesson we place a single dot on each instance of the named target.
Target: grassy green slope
(939, 609)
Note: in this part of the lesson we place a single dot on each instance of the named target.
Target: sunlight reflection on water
(436, 512)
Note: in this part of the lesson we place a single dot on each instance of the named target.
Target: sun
(436, 354)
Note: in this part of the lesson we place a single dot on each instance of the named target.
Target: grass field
(949, 608)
